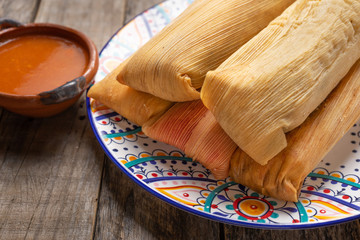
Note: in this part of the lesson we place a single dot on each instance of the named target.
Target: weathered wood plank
(344, 231)
(14, 9)
(133, 8)
(49, 176)
(97, 19)
(50, 169)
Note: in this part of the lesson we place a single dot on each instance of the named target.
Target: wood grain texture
(97, 19)
(134, 8)
(20, 10)
(344, 231)
(51, 168)
(49, 176)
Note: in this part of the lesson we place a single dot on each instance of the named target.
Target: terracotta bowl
(56, 100)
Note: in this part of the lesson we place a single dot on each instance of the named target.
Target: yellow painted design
(252, 207)
(351, 179)
(166, 191)
(144, 155)
(331, 206)
(326, 217)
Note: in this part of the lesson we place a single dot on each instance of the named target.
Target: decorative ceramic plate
(330, 194)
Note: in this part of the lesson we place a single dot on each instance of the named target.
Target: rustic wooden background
(57, 183)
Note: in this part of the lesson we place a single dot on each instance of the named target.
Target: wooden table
(57, 183)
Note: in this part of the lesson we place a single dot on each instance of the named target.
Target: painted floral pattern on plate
(330, 194)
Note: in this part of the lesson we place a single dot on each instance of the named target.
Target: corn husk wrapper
(190, 127)
(176, 125)
(282, 177)
(272, 84)
(211, 146)
(173, 64)
(138, 107)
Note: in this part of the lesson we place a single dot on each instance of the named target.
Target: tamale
(190, 127)
(272, 83)
(283, 176)
(138, 107)
(173, 64)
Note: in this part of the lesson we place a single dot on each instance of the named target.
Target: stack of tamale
(259, 82)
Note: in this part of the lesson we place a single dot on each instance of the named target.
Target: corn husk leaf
(211, 146)
(176, 125)
(272, 84)
(190, 127)
(282, 177)
(138, 107)
(173, 64)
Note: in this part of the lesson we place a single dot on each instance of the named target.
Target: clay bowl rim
(63, 32)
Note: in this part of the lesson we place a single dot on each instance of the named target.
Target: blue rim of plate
(184, 207)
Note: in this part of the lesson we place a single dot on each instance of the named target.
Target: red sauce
(36, 63)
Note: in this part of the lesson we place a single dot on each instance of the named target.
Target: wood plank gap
(95, 218)
(98, 199)
(132, 12)
(26, 154)
(123, 13)
(1, 114)
(36, 10)
(35, 210)
(2, 162)
(221, 231)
